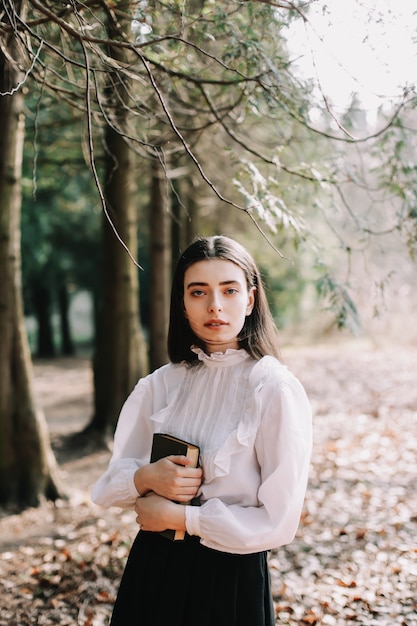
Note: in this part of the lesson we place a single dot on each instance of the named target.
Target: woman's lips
(215, 323)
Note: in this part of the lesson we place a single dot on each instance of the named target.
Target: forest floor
(354, 559)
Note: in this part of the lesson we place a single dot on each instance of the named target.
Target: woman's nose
(214, 304)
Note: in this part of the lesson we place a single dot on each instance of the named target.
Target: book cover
(164, 445)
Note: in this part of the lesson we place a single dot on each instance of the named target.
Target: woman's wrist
(156, 513)
(140, 480)
(177, 516)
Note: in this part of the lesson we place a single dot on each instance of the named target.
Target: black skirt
(182, 583)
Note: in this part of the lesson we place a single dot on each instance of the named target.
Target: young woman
(226, 391)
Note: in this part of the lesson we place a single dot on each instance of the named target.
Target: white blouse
(252, 421)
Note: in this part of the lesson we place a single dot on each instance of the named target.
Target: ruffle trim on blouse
(265, 371)
(241, 437)
(230, 357)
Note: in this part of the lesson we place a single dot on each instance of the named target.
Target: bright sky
(367, 46)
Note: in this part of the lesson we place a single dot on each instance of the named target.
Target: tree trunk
(176, 224)
(184, 224)
(120, 357)
(192, 208)
(160, 266)
(28, 470)
(67, 345)
(41, 300)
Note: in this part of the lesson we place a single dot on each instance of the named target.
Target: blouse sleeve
(283, 448)
(132, 443)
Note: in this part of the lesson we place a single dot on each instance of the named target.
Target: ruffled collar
(230, 357)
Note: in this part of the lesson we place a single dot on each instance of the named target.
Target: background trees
(183, 119)
(27, 468)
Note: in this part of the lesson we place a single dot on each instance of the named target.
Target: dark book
(164, 445)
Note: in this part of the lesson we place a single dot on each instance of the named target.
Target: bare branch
(92, 159)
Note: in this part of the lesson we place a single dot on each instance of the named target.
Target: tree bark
(28, 470)
(160, 266)
(67, 345)
(121, 356)
(192, 228)
(41, 300)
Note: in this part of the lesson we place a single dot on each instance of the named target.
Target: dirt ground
(354, 560)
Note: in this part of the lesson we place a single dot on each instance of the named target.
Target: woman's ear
(251, 300)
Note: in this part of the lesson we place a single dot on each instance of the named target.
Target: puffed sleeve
(282, 447)
(132, 443)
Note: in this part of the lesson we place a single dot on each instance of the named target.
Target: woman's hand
(170, 478)
(155, 513)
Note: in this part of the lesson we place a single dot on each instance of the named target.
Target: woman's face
(216, 302)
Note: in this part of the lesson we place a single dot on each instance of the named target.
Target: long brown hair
(259, 335)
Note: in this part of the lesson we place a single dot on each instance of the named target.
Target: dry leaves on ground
(354, 560)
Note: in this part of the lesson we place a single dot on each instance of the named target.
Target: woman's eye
(197, 292)
(231, 290)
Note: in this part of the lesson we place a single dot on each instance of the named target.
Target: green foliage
(340, 302)
(265, 200)
(397, 173)
(211, 88)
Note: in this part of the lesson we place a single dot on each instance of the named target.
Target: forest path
(354, 559)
